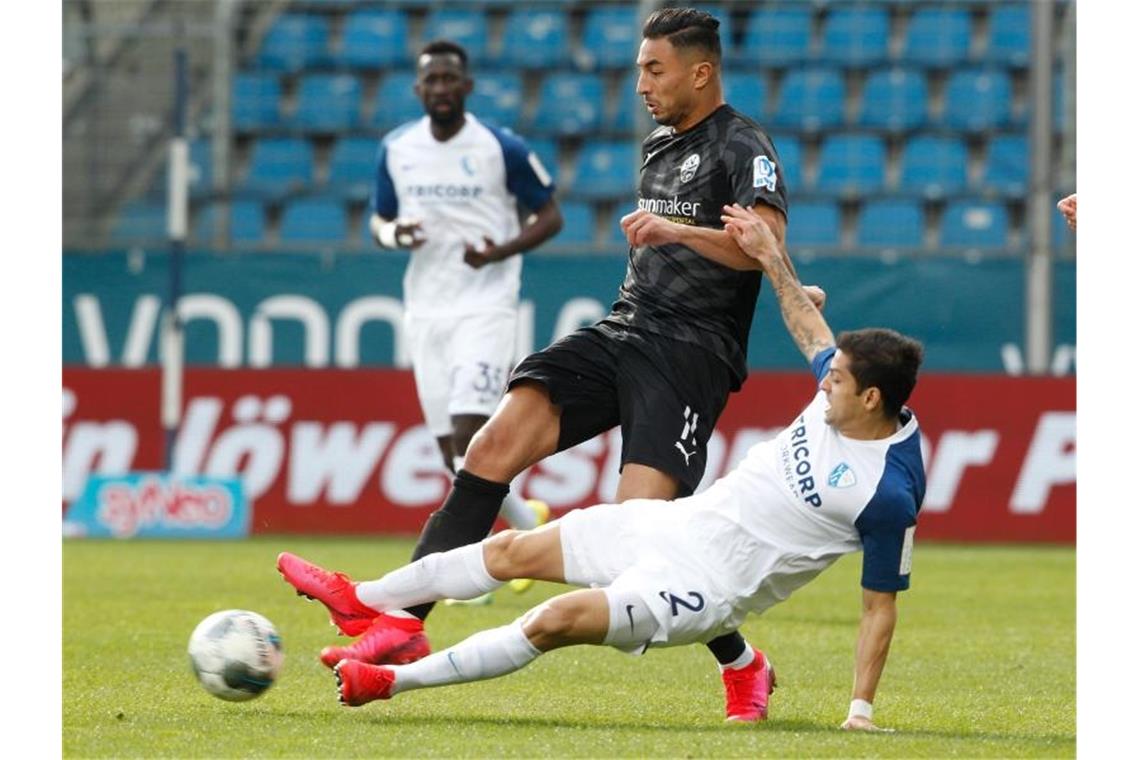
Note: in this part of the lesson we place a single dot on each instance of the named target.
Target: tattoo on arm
(805, 324)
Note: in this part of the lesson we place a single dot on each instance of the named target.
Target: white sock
(487, 654)
(456, 574)
(516, 512)
(743, 661)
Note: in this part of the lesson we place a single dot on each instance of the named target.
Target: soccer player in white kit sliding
(847, 474)
(449, 187)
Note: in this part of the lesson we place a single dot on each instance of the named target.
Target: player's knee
(488, 447)
(500, 555)
(553, 624)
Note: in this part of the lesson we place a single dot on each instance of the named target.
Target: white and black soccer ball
(236, 654)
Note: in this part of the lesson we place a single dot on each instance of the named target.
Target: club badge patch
(842, 476)
(689, 167)
(764, 173)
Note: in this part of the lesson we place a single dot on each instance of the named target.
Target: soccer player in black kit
(661, 364)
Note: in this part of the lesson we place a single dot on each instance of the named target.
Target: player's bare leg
(578, 617)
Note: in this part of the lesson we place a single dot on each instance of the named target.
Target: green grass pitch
(983, 664)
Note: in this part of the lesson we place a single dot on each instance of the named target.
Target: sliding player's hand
(857, 723)
(752, 235)
(816, 295)
(477, 258)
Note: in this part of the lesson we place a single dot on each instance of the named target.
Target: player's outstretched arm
(754, 237)
(876, 628)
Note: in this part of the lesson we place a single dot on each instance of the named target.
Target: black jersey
(672, 290)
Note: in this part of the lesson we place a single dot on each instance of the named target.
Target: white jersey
(802, 500)
(461, 190)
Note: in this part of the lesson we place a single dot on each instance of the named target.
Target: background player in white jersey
(450, 188)
(846, 475)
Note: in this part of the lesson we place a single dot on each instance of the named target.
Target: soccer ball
(235, 654)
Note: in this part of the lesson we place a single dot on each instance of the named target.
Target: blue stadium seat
(352, 167)
(791, 154)
(934, 166)
(247, 223)
(610, 37)
(978, 225)
(852, 164)
(620, 111)
(815, 224)
(255, 102)
(535, 39)
(1010, 34)
(294, 42)
(396, 101)
(497, 98)
(569, 104)
(579, 224)
(140, 222)
(778, 35)
(278, 167)
(856, 36)
(375, 39)
(747, 92)
(1064, 105)
(467, 27)
(893, 99)
(937, 37)
(1007, 165)
(605, 170)
(314, 220)
(811, 99)
(547, 152)
(890, 224)
(328, 103)
(978, 100)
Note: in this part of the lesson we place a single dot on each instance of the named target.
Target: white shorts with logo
(461, 363)
(636, 551)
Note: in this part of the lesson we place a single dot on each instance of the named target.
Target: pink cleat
(336, 591)
(358, 683)
(389, 641)
(746, 690)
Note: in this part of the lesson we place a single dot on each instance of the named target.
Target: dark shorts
(666, 394)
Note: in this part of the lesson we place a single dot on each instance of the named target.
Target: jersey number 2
(675, 601)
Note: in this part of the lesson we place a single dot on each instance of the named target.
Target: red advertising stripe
(344, 451)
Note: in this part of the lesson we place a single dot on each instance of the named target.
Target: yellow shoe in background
(542, 513)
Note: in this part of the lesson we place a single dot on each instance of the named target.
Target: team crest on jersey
(689, 167)
(470, 165)
(764, 173)
(842, 476)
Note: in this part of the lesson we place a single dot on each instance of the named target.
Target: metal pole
(177, 211)
(1039, 267)
(223, 124)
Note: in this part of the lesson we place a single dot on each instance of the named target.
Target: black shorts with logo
(666, 394)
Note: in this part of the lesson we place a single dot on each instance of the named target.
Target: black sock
(467, 515)
(727, 648)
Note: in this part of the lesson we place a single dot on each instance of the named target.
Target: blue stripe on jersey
(522, 181)
(883, 522)
(384, 201)
(821, 363)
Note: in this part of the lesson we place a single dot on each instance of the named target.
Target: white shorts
(636, 548)
(461, 364)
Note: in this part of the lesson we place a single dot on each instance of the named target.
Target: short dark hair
(444, 47)
(685, 28)
(883, 359)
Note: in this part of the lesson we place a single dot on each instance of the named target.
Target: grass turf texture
(983, 664)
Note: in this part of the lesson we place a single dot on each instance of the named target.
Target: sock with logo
(487, 654)
(465, 518)
(456, 574)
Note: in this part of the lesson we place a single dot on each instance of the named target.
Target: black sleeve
(754, 172)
